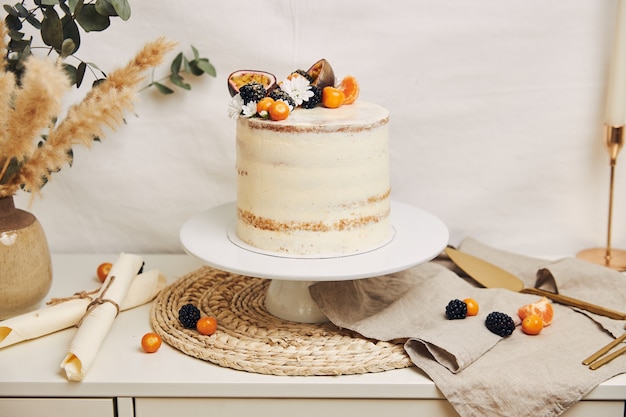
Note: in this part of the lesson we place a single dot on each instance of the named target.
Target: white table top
(122, 369)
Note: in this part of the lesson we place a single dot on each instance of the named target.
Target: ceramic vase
(25, 264)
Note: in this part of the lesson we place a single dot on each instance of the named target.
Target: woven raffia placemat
(251, 339)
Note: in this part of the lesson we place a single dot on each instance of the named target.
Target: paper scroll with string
(62, 313)
(96, 322)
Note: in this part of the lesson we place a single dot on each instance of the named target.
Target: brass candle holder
(612, 258)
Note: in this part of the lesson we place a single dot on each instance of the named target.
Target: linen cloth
(480, 373)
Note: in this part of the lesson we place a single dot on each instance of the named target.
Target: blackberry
(456, 310)
(252, 92)
(188, 315)
(278, 94)
(500, 324)
(315, 100)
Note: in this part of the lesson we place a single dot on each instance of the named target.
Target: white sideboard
(125, 382)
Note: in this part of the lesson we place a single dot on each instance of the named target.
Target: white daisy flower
(235, 107)
(298, 88)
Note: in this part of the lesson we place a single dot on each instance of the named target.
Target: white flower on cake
(249, 110)
(298, 88)
(235, 106)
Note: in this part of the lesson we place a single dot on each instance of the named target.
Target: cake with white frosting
(316, 183)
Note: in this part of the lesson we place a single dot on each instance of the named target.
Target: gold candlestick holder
(612, 258)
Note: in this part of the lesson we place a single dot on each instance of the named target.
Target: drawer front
(269, 407)
(57, 407)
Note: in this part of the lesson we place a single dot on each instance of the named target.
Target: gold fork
(594, 360)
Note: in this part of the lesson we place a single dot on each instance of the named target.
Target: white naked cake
(316, 183)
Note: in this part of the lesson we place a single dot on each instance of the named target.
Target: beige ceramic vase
(25, 265)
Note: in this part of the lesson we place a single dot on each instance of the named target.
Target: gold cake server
(492, 276)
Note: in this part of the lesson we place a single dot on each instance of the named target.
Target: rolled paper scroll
(63, 313)
(99, 317)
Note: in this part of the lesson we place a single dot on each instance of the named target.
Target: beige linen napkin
(68, 312)
(97, 321)
(480, 373)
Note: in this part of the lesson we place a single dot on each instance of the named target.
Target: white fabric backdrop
(496, 117)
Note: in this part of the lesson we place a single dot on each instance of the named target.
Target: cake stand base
(291, 300)
(616, 260)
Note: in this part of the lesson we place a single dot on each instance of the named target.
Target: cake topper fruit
(322, 74)
(255, 92)
(238, 79)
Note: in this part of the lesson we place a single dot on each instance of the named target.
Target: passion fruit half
(322, 74)
(242, 77)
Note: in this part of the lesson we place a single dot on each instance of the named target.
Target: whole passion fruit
(322, 74)
(242, 77)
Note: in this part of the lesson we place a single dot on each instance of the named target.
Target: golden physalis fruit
(207, 325)
(542, 308)
(332, 97)
(264, 105)
(472, 306)
(151, 342)
(279, 110)
(103, 271)
(350, 87)
(532, 324)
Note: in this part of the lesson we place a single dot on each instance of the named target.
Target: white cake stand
(419, 237)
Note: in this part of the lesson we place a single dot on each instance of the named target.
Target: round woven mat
(251, 339)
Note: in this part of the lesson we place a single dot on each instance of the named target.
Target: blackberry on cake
(314, 100)
(278, 94)
(252, 92)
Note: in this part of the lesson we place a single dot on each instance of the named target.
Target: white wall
(496, 117)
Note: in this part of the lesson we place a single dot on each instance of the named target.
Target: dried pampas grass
(30, 110)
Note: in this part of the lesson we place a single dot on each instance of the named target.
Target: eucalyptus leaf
(162, 88)
(80, 73)
(206, 66)
(92, 21)
(122, 7)
(23, 12)
(34, 22)
(105, 8)
(179, 81)
(196, 54)
(49, 2)
(73, 3)
(51, 28)
(70, 31)
(10, 10)
(71, 72)
(13, 22)
(67, 48)
(15, 35)
(176, 63)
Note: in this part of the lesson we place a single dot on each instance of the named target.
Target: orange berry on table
(207, 325)
(532, 324)
(332, 97)
(350, 87)
(472, 306)
(103, 270)
(264, 105)
(279, 110)
(151, 342)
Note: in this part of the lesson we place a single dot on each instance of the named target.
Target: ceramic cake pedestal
(418, 237)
